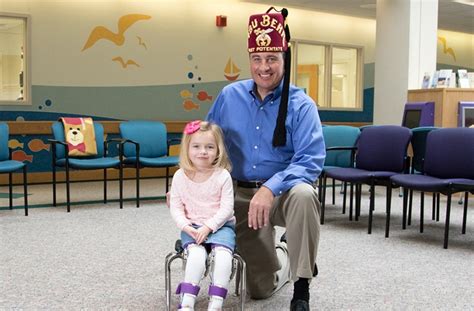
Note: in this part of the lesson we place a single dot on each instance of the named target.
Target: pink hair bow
(192, 127)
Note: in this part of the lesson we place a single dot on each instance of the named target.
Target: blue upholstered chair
(146, 144)
(60, 158)
(448, 168)
(7, 165)
(381, 153)
(340, 141)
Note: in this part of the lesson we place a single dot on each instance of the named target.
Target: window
(14, 75)
(330, 74)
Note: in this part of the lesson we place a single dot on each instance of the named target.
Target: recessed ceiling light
(466, 2)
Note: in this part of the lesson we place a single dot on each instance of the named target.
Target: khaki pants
(298, 211)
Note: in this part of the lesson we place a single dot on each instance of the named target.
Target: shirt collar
(273, 95)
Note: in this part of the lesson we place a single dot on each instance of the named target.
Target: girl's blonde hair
(222, 158)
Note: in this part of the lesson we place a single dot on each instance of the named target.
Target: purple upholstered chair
(448, 168)
(381, 153)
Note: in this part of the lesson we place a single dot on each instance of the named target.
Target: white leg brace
(220, 274)
(195, 267)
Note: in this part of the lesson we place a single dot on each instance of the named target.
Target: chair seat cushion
(463, 184)
(421, 182)
(357, 175)
(10, 166)
(91, 164)
(154, 162)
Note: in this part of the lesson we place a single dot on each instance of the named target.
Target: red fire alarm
(221, 20)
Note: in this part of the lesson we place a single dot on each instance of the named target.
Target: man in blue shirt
(274, 138)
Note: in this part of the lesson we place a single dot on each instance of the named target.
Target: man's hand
(260, 207)
(202, 233)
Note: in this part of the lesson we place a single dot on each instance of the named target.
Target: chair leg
(121, 185)
(105, 186)
(389, 205)
(68, 190)
(358, 198)
(464, 214)
(54, 185)
(405, 203)
(446, 224)
(137, 176)
(438, 195)
(351, 204)
(410, 204)
(371, 205)
(238, 275)
(167, 178)
(433, 208)
(333, 191)
(169, 259)
(323, 205)
(25, 189)
(10, 190)
(320, 181)
(460, 202)
(422, 210)
(344, 195)
(241, 281)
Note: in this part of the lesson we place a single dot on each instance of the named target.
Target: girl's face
(202, 150)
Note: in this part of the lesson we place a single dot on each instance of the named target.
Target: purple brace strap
(217, 291)
(187, 288)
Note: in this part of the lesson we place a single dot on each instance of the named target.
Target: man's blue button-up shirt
(248, 125)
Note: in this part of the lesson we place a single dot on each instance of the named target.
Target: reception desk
(446, 103)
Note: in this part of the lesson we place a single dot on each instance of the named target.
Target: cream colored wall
(462, 44)
(176, 30)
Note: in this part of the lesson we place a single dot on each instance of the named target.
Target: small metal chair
(238, 270)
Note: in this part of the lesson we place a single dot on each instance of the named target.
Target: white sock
(188, 300)
(195, 268)
(215, 303)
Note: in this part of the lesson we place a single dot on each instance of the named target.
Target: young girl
(202, 205)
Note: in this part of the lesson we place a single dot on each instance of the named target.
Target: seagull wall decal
(447, 50)
(101, 32)
(141, 42)
(124, 64)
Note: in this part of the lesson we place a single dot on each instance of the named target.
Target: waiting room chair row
(378, 156)
(142, 144)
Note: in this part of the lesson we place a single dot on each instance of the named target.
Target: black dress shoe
(299, 305)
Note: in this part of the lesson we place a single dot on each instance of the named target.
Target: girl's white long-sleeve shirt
(209, 203)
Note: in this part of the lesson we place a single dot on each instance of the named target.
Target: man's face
(267, 70)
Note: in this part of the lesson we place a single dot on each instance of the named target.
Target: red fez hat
(269, 33)
(266, 33)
